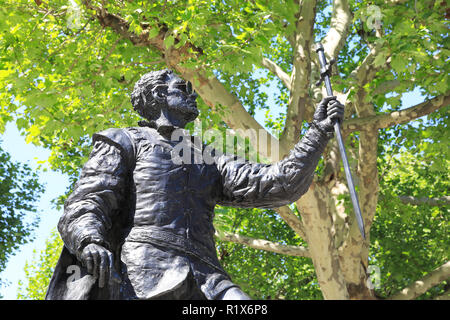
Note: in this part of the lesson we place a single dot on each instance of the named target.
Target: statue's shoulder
(119, 136)
(141, 132)
(122, 138)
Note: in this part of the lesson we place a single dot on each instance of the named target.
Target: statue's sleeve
(98, 194)
(246, 184)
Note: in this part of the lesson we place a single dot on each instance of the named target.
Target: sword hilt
(325, 71)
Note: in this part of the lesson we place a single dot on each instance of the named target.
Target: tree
(70, 70)
(19, 191)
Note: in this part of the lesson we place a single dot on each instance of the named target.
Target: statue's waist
(177, 214)
(168, 238)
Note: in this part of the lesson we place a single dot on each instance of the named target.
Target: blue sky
(55, 184)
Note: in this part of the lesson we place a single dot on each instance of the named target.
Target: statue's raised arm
(271, 186)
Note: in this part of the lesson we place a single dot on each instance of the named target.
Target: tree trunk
(314, 207)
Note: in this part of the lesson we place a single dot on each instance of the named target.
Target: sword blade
(348, 176)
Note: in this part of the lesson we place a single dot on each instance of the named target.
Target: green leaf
(398, 63)
(168, 41)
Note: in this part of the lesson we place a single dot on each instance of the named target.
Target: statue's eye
(185, 87)
(181, 86)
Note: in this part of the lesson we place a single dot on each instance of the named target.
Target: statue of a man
(139, 225)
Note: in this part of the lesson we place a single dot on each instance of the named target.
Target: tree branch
(441, 201)
(444, 296)
(215, 95)
(212, 91)
(264, 244)
(292, 220)
(276, 70)
(390, 85)
(396, 2)
(382, 121)
(340, 20)
(421, 286)
(366, 71)
(300, 76)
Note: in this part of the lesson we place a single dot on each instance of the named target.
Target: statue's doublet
(172, 233)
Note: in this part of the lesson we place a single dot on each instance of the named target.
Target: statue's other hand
(99, 262)
(328, 111)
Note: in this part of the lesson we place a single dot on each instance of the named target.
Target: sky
(55, 184)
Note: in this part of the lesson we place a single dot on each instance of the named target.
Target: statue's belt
(155, 235)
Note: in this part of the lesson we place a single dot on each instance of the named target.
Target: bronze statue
(139, 225)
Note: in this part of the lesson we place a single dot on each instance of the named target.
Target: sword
(325, 73)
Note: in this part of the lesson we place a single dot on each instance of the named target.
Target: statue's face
(180, 101)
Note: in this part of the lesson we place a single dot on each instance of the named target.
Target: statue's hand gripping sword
(325, 73)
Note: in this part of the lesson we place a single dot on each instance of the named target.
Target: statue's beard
(175, 117)
(178, 116)
(186, 113)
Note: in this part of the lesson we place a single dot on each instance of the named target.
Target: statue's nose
(191, 99)
(193, 95)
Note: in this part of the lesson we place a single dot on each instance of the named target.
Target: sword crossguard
(325, 71)
(325, 67)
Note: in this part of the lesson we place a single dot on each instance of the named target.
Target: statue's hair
(142, 99)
